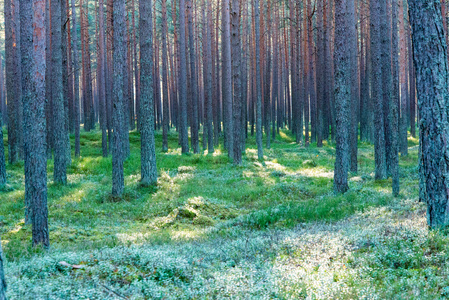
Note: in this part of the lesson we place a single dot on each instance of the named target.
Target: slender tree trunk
(76, 107)
(394, 106)
(148, 149)
(353, 48)
(101, 79)
(2, 275)
(166, 116)
(193, 83)
(430, 53)
(258, 83)
(236, 69)
(183, 78)
(119, 124)
(377, 89)
(59, 134)
(65, 79)
(227, 78)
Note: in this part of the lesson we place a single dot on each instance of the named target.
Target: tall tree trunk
(26, 52)
(101, 79)
(236, 69)
(76, 101)
(193, 83)
(430, 53)
(119, 102)
(13, 86)
(148, 150)
(258, 82)
(59, 134)
(227, 77)
(377, 89)
(353, 47)
(65, 79)
(394, 108)
(37, 150)
(166, 116)
(183, 78)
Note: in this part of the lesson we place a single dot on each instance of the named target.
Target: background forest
(196, 149)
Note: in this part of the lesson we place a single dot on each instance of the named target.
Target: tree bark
(258, 83)
(227, 77)
(430, 53)
(76, 101)
(148, 150)
(119, 124)
(184, 138)
(236, 69)
(342, 65)
(59, 134)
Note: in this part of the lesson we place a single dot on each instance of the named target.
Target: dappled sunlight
(316, 173)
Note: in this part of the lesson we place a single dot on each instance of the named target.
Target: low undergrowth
(271, 229)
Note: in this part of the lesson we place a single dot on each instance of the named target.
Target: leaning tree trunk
(148, 150)
(430, 53)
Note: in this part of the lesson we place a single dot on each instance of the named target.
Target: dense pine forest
(209, 149)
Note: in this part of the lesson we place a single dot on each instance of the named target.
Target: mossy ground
(202, 200)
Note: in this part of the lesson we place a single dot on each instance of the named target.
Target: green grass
(203, 198)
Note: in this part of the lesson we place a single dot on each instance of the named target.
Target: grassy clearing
(262, 230)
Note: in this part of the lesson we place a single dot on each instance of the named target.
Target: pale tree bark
(430, 53)
(148, 150)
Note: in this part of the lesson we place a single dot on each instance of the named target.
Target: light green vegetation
(210, 229)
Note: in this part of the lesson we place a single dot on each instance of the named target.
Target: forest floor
(212, 230)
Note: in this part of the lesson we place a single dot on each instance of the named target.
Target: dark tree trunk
(76, 101)
(65, 79)
(343, 82)
(119, 124)
(394, 105)
(37, 150)
(236, 69)
(2, 275)
(430, 53)
(59, 134)
(13, 86)
(377, 90)
(353, 47)
(227, 77)
(183, 78)
(26, 51)
(148, 150)
(207, 78)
